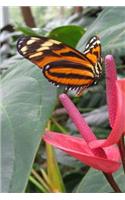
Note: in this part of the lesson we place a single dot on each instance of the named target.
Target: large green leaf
(110, 27)
(69, 34)
(27, 100)
(95, 182)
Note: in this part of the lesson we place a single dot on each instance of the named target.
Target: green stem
(112, 182)
(58, 125)
(39, 178)
(46, 178)
(37, 184)
(121, 146)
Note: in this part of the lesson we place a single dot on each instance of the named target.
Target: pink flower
(115, 92)
(99, 154)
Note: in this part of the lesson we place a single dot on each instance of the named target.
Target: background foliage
(29, 104)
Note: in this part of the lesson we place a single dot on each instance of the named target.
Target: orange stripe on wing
(71, 71)
(48, 59)
(69, 82)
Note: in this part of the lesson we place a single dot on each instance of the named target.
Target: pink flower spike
(111, 77)
(121, 84)
(76, 117)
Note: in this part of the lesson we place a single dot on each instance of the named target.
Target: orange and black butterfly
(62, 64)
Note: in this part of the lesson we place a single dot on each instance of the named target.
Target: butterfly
(62, 64)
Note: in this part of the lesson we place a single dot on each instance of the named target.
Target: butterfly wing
(93, 54)
(61, 64)
(93, 50)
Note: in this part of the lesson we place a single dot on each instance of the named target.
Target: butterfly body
(61, 64)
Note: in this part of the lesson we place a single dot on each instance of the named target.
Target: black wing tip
(21, 42)
(94, 38)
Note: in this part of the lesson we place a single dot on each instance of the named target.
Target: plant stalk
(121, 146)
(112, 182)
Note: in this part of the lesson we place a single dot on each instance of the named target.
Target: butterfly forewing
(60, 63)
(37, 49)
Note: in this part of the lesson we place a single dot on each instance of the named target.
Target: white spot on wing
(92, 40)
(30, 42)
(47, 67)
(91, 47)
(87, 46)
(86, 51)
(98, 41)
(36, 55)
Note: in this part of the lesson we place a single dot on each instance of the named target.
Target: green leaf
(27, 30)
(69, 35)
(53, 170)
(110, 27)
(71, 180)
(95, 182)
(27, 101)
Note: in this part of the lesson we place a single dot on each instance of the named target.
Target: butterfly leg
(80, 91)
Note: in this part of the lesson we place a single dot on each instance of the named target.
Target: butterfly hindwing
(60, 63)
(68, 73)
